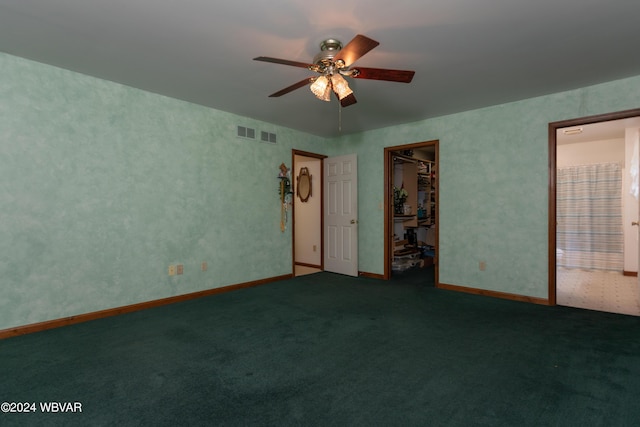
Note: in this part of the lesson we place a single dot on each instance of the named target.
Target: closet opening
(411, 211)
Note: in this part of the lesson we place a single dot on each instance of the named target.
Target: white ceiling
(602, 131)
(466, 53)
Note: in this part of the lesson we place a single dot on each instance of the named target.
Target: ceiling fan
(332, 63)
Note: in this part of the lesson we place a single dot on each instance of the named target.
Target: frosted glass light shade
(321, 88)
(340, 86)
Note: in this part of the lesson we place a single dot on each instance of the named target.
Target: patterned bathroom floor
(598, 290)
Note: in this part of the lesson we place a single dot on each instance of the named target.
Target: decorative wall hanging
(286, 194)
(304, 185)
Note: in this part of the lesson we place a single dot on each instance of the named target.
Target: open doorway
(307, 235)
(593, 246)
(411, 211)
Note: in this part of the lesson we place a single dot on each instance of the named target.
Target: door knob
(635, 223)
(354, 221)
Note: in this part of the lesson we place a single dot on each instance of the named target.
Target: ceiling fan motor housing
(328, 50)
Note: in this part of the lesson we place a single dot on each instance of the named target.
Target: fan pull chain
(339, 117)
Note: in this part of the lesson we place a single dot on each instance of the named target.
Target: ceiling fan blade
(348, 100)
(291, 88)
(283, 61)
(402, 76)
(355, 49)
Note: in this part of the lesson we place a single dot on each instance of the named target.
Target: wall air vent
(572, 131)
(244, 132)
(268, 137)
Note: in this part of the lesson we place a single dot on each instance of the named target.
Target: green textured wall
(493, 185)
(102, 187)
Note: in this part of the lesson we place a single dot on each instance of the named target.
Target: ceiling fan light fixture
(332, 64)
(340, 86)
(321, 88)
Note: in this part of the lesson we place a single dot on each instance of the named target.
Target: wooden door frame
(320, 157)
(553, 127)
(388, 214)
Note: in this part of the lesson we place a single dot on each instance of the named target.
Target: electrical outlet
(315, 248)
(483, 265)
(172, 270)
(204, 266)
(180, 269)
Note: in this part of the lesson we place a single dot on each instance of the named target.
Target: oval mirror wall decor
(304, 185)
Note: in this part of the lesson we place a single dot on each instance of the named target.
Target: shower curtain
(589, 217)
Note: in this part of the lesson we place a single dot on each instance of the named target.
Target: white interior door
(341, 214)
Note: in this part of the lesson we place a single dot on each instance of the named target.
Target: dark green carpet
(326, 350)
